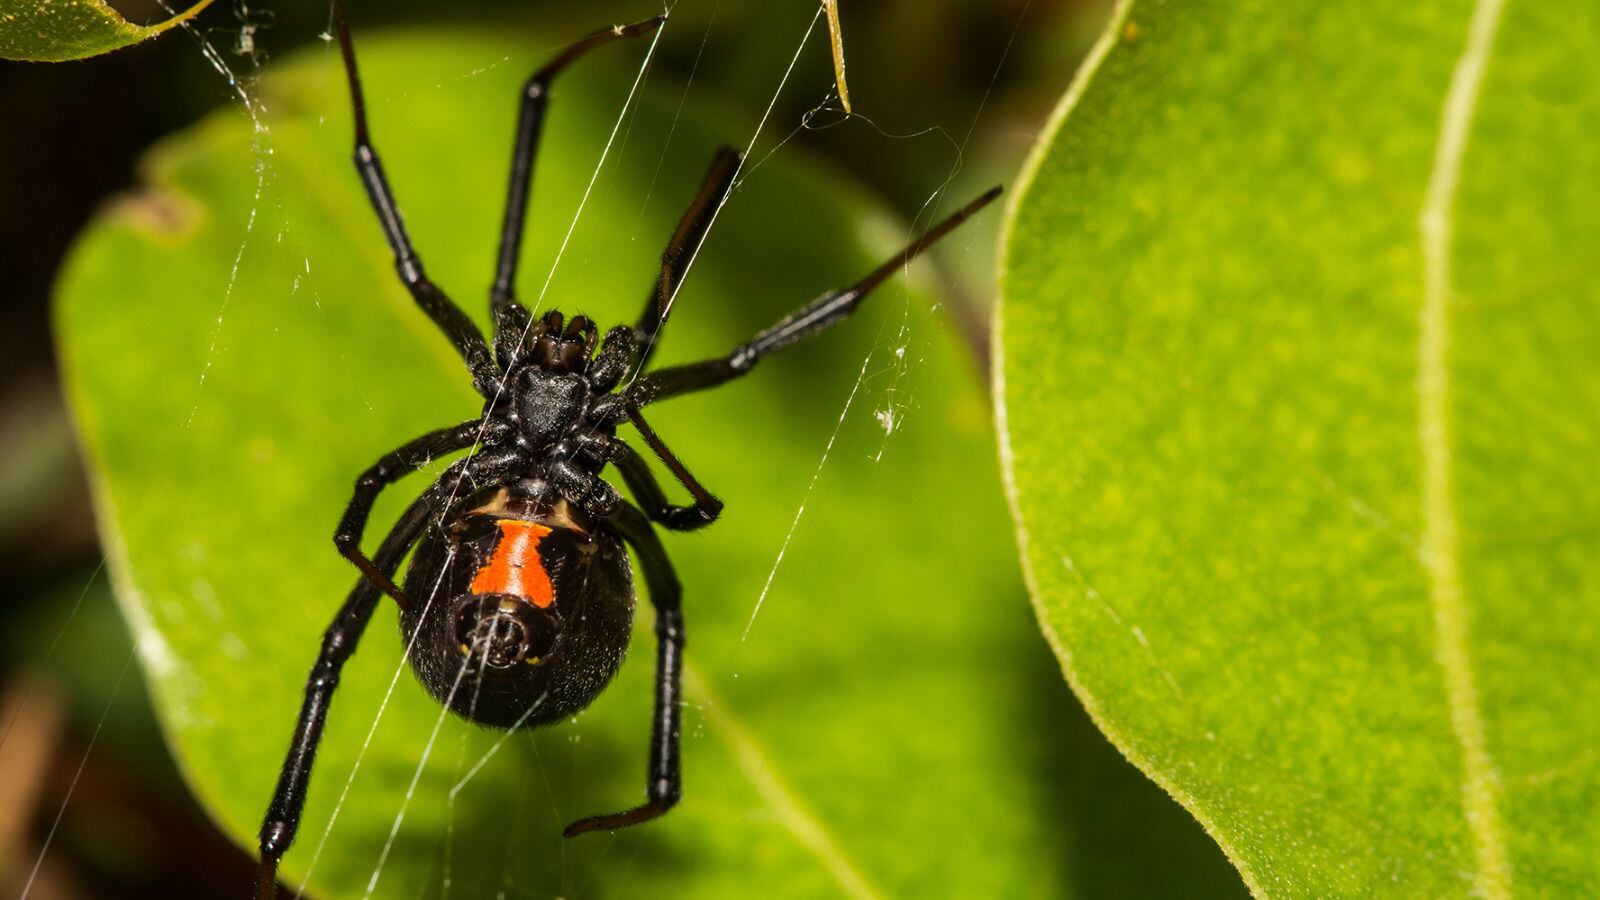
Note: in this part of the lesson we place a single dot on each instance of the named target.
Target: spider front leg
(663, 783)
(683, 246)
(815, 316)
(510, 318)
(339, 641)
(386, 471)
(460, 330)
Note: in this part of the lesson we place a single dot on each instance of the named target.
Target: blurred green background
(950, 91)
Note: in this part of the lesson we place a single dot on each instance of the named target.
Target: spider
(523, 540)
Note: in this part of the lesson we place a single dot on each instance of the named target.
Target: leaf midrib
(1441, 541)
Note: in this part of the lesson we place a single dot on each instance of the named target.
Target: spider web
(882, 376)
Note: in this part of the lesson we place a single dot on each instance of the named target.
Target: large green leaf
(237, 349)
(61, 30)
(1301, 362)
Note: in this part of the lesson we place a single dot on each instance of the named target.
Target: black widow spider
(538, 594)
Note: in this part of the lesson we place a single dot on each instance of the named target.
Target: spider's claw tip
(267, 878)
(582, 826)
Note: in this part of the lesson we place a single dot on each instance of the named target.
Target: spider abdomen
(518, 616)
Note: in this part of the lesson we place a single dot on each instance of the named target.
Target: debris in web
(250, 21)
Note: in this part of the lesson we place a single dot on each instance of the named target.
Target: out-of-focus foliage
(1300, 381)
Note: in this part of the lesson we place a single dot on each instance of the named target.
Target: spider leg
(338, 643)
(389, 468)
(808, 320)
(683, 246)
(664, 784)
(510, 318)
(614, 360)
(440, 308)
(647, 490)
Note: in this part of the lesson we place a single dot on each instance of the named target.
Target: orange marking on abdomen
(514, 567)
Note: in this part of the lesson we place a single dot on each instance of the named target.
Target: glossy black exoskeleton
(547, 602)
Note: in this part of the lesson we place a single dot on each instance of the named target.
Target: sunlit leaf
(1301, 362)
(237, 348)
(58, 30)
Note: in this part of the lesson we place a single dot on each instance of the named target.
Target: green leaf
(237, 349)
(59, 30)
(1299, 381)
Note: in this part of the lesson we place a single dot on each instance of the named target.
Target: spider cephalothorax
(557, 401)
(518, 603)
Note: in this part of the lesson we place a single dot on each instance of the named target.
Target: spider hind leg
(663, 782)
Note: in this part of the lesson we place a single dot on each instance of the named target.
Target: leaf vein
(1441, 541)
